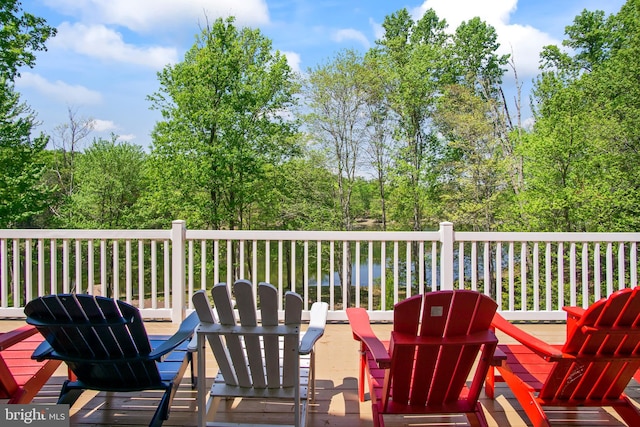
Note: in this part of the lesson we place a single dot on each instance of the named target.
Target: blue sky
(104, 60)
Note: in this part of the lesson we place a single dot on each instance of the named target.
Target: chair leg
(212, 407)
(312, 377)
(525, 398)
(193, 362)
(378, 418)
(477, 418)
(69, 393)
(363, 363)
(490, 383)
(162, 413)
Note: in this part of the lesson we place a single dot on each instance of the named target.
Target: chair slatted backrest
(424, 375)
(103, 340)
(604, 350)
(252, 355)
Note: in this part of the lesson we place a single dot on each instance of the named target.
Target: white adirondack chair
(264, 359)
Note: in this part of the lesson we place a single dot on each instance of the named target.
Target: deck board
(336, 399)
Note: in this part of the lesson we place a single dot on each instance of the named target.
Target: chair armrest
(499, 356)
(184, 332)
(572, 311)
(10, 338)
(317, 323)
(536, 345)
(574, 314)
(361, 329)
(43, 351)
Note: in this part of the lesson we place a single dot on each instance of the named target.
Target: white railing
(530, 275)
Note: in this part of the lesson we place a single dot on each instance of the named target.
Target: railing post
(178, 267)
(446, 256)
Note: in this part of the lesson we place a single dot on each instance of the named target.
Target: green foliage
(224, 110)
(580, 160)
(21, 34)
(337, 101)
(109, 181)
(22, 194)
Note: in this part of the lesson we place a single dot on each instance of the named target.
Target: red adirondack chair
(423, 369)
(21, 377)
(592, 368)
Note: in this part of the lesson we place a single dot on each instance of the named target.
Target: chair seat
(526, 364)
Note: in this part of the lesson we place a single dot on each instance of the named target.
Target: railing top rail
(388, 236)
(86, 234)
(470, 236)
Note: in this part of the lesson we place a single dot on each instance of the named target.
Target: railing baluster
(396, 285)
(305, 280)
(621, 267)
(586, 300)
(141, 281)
(128, 271)
(331, 275)
(474, 266)
(486, 259)
(116, 269)
(167, 274)
(408, 270)
(597, 281)
(78, 262)
(103, 267)
(370, 278)
(357, 267)
(28, 263)
(41, 278)
(536, 276)
(383, 275)
(461, 265)
(523, 276)
(609, 260)
(16, 273)
(154, 274)
(421, 278)
(572, 274)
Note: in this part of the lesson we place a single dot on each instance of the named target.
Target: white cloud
(103, 125)
(524, 43)
(378, 30)
(351, 34)
(127, 137)
(59, 90)
(101, 42)
(293, 59)
(153, 15)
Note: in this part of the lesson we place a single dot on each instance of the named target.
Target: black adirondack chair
(105, 344)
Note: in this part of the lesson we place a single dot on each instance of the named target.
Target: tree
(337, 102)
(109, 184)
(579, 161)
(22, 194)
(410, 55)
(21, 34)
(226, 116)
(67, 143)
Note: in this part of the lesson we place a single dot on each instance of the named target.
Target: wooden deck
(336, 402)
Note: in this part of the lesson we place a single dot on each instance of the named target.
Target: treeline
(415, 131)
